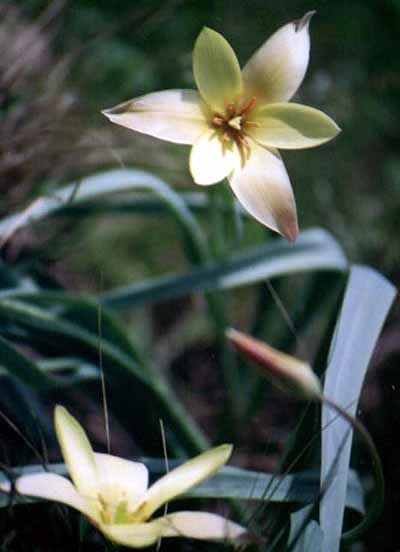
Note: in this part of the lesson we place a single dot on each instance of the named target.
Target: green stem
(219, 244)
(217, 237)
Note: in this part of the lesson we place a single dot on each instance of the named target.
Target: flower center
(114, 507)
(234, 124)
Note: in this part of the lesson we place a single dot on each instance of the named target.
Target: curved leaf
(314, 250)
(103, 185)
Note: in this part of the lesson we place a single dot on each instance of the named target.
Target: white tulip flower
(237, 120)
(113, 492)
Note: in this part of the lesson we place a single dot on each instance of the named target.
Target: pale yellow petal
(216, 70)
(51, 486)
(212, 159)
(134, 535)
(286, 372)
(292, 126)
(120, 475)
(263, 188)
(201, 525)
(77, 452)
(179, 480)
(195, 525)
(276, 70)
(174, 115)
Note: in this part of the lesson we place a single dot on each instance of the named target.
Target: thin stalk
(219, 244)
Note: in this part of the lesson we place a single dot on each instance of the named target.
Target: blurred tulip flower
(237, 120)
(113, 492)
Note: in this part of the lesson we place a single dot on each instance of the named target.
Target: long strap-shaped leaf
(235, 483)
(305, 533)
(314, 250)
(103, 185)
(126, 375)
(366, 303)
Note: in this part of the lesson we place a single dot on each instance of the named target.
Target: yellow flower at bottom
(113, 492)
(237, 120)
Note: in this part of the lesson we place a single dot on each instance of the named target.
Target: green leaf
(104, 185)
(17, 364)
(126, 374)
(305, 534)
(314, 250)
(357, 330)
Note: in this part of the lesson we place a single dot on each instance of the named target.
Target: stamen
(244, 148)
(248, 106)
(226, 137)
(242, 140)
(218, 121)
(252, 124)
(230, 110)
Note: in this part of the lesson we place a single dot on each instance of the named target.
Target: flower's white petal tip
(290, 231)
(76, 451)
(304, 22)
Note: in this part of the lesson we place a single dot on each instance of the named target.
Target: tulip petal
(195, 525)
(276, 70)
(174, 115)
(51, 486)
(77, 452)
(211, 159)
(134, 535)
(216, 70)
(263, 188)
(179, 480)
(292, 126)
(117, 474)
(201, 525)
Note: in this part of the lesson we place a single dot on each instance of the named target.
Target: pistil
(233, 125)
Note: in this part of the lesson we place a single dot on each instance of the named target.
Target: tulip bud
(284, 371)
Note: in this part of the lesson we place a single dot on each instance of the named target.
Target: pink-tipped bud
(286, 372)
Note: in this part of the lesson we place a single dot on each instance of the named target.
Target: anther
(251, 124)
(248, 106)
(218, 121)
